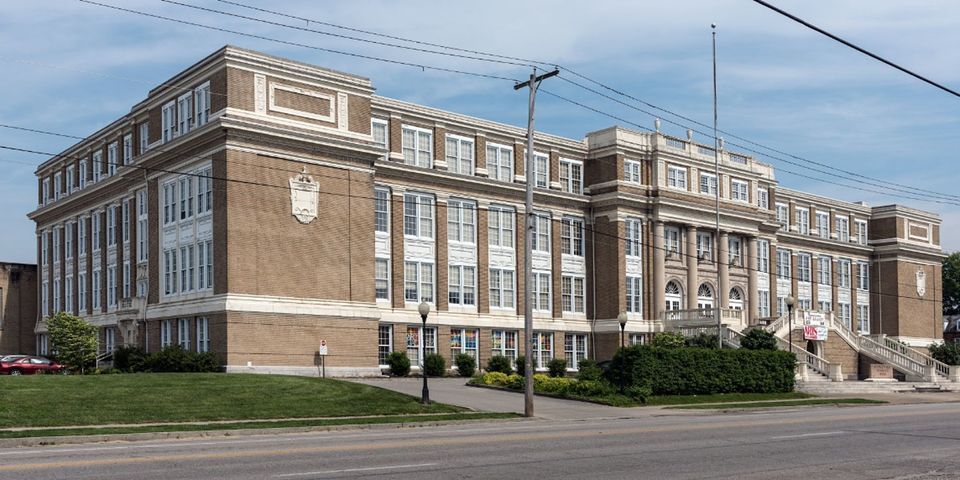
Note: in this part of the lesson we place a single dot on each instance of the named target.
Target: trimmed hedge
(434, 365)
(466, 364)
(499, 363)
(699, 371)
(399, 364)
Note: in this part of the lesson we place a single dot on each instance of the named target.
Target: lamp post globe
(424, 310)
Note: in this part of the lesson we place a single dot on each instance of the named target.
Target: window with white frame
(861, 232)
(763, 256)
(824, 275)
(166, 333)
(572, 293)
(803, 267)
(203, 334)
(803, 221)
(186, 197)
(763, 198)
(82, 181)
(705, 296)
(763, 299)
(500, 162)
(825, 305)
(462, 285)
(46, 191)
(571, 236)
(112, 151)
(127, 148)
(44, 248)
(843, 313)
(500, 226)
(125, 221)
(459, 154)
(843, 229)
(382, 278)
(708, 183)
(705, 246)
(541, 170)
(183, 333)
(633, 240)
(111, 225)
(783, 264)
(863, 319)
(461, 221)
(109, 339)
(187, 266)
(671, 241)
(97, 165)
(634, 294)
(381, 210)
(542, 349)
(418, 282)
(843, 273)
(384, 344)
(672, 296)
(142, 227)
(185, 113)
(56, 296)
(863, 276)
(823, 224)
(541, 291)
(638, 339)
(739, 190)
(783, 215)
(464, 341)
(379, 130)
(57, 233)
(676, 177)
(167, 119)
(44, 297)
(67, 294)
(144, 137)
(204, 191)
(502, 288)
(169, 202)
(417, 146)
(204, 264)
(126, 280)
(111, 285)
(70, 180)
(574, 349)
(631, 171)
(95, 222)
(201, 101)
(504, 343)
(541, 232)
(82, 292)
(420, 343)
(97, 287)
(169, 272)
(734, 251)
(571, 176)
(82, 236)
(418, 215)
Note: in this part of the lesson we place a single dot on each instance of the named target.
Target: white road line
(803, 435)
(347, 470)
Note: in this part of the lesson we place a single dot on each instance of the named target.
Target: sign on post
(323, 347)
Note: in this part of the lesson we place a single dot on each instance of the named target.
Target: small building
(18, 308)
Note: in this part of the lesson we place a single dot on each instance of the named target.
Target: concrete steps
(818, 387)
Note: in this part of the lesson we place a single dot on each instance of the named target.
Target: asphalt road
(892, 441)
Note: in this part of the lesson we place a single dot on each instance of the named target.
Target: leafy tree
(948, 353)
(74, 340)
(669, 340)
(759, 339)
(951, 284)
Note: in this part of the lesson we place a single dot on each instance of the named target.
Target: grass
(786, 403)
(658, 400)
(53, 400)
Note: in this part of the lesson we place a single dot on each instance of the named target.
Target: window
(201, 100)
(863, 275)
(203, 334)
(734, 251)
(803, 221)
(169, 202)
(44, 295)
(82, 292)
(502, 288)
(736, 298)
(111, 285)
(186, 268)
(82, 236)
(169, 272)
(126, 280)
(183, 333)
(541, 291)
(823, 270)
(542, 349)
(70, 180)
(43, 344)
(763, 298)
(676, 177)
(574, 349)
(95, 291)
(631, 171)
(56, 296)
(541, 232)
(783, 215)
(110, 339)
(379, 129)
(381, 278)
(541, 170)
(185, 114)
(823, 224)
(381, 207)
(112, 159)
(843, 229)
(111, 225)
(572, 294)
(57, 233)
(169, 130)
(634, 294)
(783, 264)
(803, 267)
(186, 197)
(739, 190)
(843, 273)
(763, 198)
(462, 285)
(843, 312)
(671, 241)
(708, 183)
(417, 147)
(500, 226)
(97, 165)
(204, 191)
(418, 215)
(637, 339)
(704, 297)
(459, 155)
(500, 162)
(127, 148)
(142, 229)
(67, 294)
(633, 240)
(420, 342)
(464, 341)
(95, 221)
(461, 221)
(571, 236)
(46, 191)
(125, 221)
(57, 181)
(705, 246)
(504, 343)
(384, 344)
(571, 176)
(82, 181)
(166, 333)
(418, 282)
(68, 240)
(863, 319)
(44, 248)
(205, 264)
(144, 137)
(861, 231)
(763, 256)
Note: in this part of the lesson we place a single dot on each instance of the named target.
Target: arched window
(672, 296)
(736, 298)
(704, 296)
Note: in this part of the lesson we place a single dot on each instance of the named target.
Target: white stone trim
(351, 372)
(233, 302)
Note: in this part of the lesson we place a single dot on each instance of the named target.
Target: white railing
(674, 319)
(939, 367)
(815, 363)
(777, 325)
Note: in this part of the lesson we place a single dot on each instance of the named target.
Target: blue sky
(72, 67)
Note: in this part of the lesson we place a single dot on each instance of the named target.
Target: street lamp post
(623, 325)
(424, 309)
(790, 303)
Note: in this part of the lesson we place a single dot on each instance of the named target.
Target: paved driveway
(454, 391)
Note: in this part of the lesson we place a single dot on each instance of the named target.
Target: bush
(434, 365)
(685, 371)
(466, 364)
(494, 378)
(499, 363)
(948, 353)
(399, 364)
(702, 340)
(557, 367)
(639, 393)
(176, 359)
(758, 339)
(591, 388)
(668, 340)
(588, 370)
(128, 359)
(520, 366)
(515, 382)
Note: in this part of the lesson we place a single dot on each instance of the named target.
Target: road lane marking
(804, 435)
(349, 470)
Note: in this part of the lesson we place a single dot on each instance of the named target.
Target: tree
(74, 340)
(758, 339)
(951, 284)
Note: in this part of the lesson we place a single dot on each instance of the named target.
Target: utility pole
(716, 172)
(533, 83)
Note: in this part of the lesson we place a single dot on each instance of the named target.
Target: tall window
(183, 333)
(70, 180)
(823, 224)
(67, 294)
(708, 183)
(205, 264)
(169, 202)
(381, 207)
(571, 236)
(464, 341)
(843, 229)
(185, 114)
(68, 240)
(504, 343)
(634, 294)
(823, 270)
(379, 129)
(459, 154)
(763, 298)
(127, 148)
(461, 221)
(46, 191)
(783, 215)
(418, 215)
(384, 343)
(502, 288)
(417, 146)
(144, 137)
(783, 264)
(111, 225)
(861, 232)
(82, 181)
(574, 349)
(542, 349)
(863, 275)
(44, 248)
(763, 198)
(462, 285)
(110, 339)
(572, 294)
(571, 176)
(204, 190)
(803, 221)
(500, 162)
(704, 297)
(843, 312)
(111, 285)
(125, 221)
(169, 272)
(541, 170)
(863, 319)
(803, 267)
(97, 288)
(631, 171)
(418, 282)
(671, 241)
(167, 118)
(734, 251)
(81, 236)
(541, 232)
(57, 233)
(672, 296)
(705, 246)
(186, 197)
(166, 333)
(97, 165)
(201, 101)
(420, 342)
(56, 296)
(634, 229)
(500, 226)
(95, 222)
(82, 292)
(142, 228)
(57, 181)
(739, 190)
(763, 256)
(382, 278)
(203, 334)
(541, 291)
(112, 159)
(44, 296)
(843, 273)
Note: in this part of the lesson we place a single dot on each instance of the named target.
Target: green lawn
(54, 400)
(786, 403)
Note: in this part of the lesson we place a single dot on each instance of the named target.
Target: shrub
(434, 365)
(206, 362)
(169, 359)
(515, 381)
(494, 378)
(557, 367)
(128, 359)
(758, 339)
(669, 340)
(520, 366)
(591, 388)
(399, 364)
(702, 340)
(639, 393)
(948, 353)
(499, 363)
(555, 385)
(587, 370)
(466, 364)
(74, 339)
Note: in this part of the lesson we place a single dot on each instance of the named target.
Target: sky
(72, 67)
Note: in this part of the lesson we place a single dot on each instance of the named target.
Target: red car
(28, 365)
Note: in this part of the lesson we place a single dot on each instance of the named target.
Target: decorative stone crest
(304, 192)
(921, 281)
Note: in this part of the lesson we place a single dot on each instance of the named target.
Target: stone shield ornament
(304, 194)
(921, 281)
